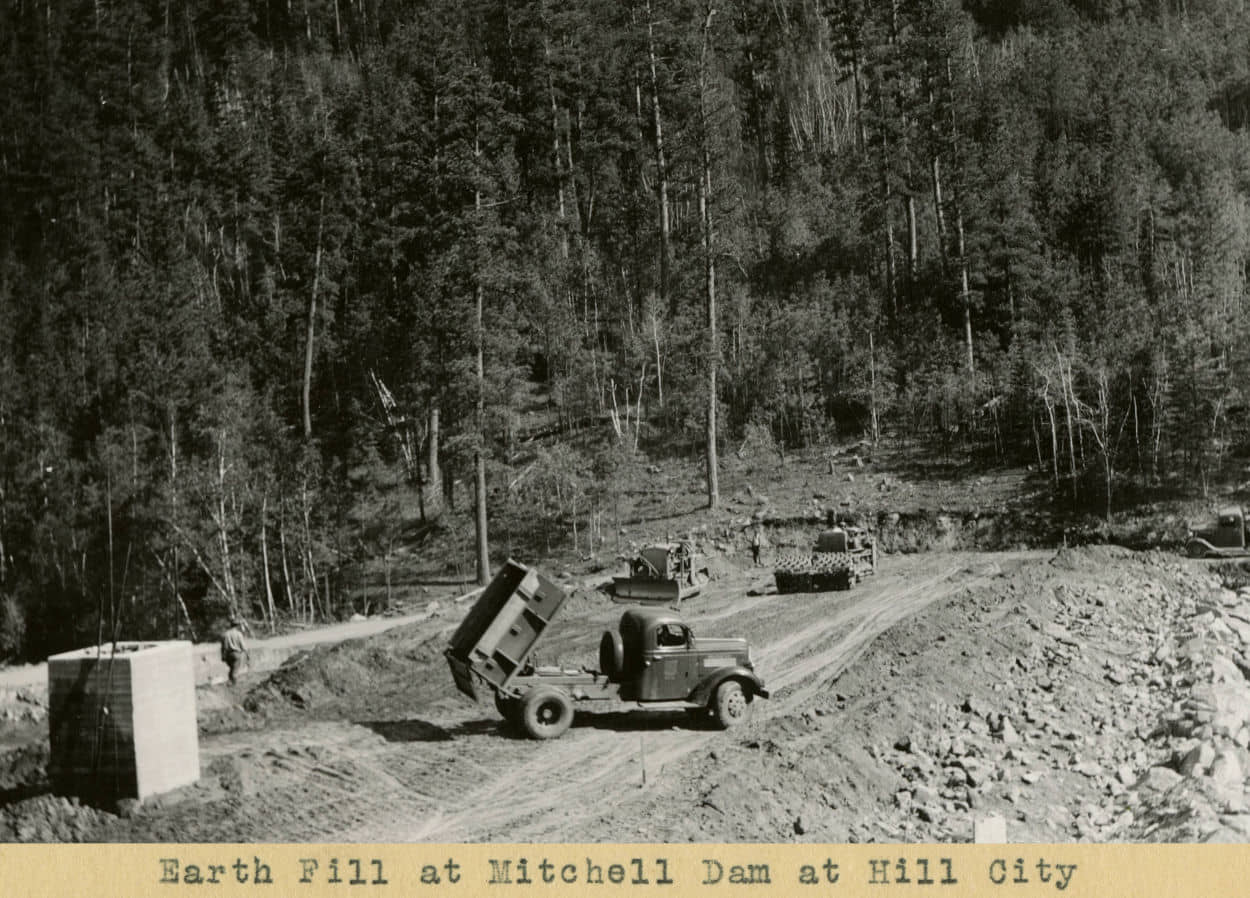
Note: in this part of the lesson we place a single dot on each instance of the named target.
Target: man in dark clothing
(233, 649)
(757, 540)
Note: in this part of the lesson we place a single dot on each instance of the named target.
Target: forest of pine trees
(249, 248)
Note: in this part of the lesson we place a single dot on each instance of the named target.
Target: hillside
(286, 293)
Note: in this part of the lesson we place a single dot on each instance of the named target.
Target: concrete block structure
(122, 720)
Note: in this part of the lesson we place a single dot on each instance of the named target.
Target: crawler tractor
(662, 574)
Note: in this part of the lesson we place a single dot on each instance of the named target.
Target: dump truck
(666, 573)
(652, 660)
(1226, 538)
(841, 558)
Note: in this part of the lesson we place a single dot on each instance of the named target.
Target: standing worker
(757, 540)
(233, 648)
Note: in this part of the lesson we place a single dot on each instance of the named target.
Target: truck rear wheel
(546, 713)
(731, 704)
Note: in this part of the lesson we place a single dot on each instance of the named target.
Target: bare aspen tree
(709, 262)
(479, 459)
(312, 321)
(661, 164)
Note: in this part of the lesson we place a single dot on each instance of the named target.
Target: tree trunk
(964, 291)
(227, 572)
(872, 379)
(1065, 375)
(312, 321)
(861, 130)
(661, 164)
(434, 473)
(264, 560)
(173, 510)
(709, 265)
(286, 565)
(913, 244)
(659, 370)
(556, 160)
(939, 211)
(479, 460)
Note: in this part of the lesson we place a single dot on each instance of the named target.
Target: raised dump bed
(653, 659)
(502, 628)
(121, 720)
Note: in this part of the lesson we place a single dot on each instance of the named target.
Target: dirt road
(266, 654)
(454, 773)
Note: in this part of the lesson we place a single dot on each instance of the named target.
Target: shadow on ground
(422, 731)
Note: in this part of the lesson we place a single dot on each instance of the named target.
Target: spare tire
(612, 655)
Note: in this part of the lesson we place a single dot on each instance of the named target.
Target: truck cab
(1227, 537)
(652, 659)
(656, 657)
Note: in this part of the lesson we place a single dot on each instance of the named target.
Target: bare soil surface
(1092, 693)
(1062, 691)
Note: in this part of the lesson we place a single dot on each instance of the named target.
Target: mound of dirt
(51, 818)
(23, 768)
(324, 678)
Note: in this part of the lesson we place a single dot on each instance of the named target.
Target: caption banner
(502, 871)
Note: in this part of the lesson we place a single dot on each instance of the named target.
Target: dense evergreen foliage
(250, 248)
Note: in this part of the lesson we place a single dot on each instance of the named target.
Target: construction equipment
(841, 558)
(1226, 539)
(666, 573)
(652, 660)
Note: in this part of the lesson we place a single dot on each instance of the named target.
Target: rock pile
(1113, 705)
(1200, 744)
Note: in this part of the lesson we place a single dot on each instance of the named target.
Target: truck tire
(730, 705)
(1196, 549)
(611, 655)
(546, 713)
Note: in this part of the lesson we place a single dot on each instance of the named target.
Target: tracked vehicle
(663, 574)
(841, 558)
(652, 660)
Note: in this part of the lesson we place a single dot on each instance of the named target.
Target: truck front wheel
(546, 713)
(731, 704)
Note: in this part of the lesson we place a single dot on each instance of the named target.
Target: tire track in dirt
(457, 775)
(557, 784)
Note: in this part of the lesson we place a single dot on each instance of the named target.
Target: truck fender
(1197, 547)
(752, 685)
